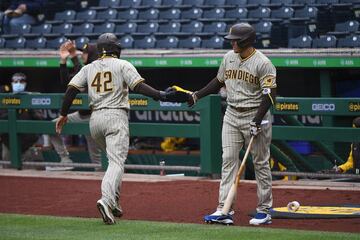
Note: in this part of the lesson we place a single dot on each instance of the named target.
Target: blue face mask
(18, 87)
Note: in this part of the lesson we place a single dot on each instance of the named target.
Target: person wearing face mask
(18, 86)
(89, 54)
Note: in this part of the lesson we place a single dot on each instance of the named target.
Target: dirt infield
(173, 201)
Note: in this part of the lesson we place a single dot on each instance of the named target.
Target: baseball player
(108, 80)
(89, 54)
(249, 77)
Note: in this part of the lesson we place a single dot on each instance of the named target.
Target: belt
(242, 109)
(93, 110)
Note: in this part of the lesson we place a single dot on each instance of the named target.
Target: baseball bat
(180, 89)
(233, 190)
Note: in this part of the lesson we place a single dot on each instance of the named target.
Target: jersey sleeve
(221, 72)
(131, 75)
(79, 80)
(267, 75)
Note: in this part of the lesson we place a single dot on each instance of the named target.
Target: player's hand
(64, 53)
(192, 99)
(71, 47)
(255, 129)
(60, 122)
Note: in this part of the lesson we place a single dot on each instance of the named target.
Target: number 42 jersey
(108, 80)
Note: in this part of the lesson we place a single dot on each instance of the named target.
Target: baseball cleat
(117, 212)
(105, 212)
(260, 218)
(218, 217)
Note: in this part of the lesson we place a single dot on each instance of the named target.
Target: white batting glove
(254, 129)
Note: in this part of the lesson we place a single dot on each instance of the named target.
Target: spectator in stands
(22, 12)
(18, 86)
(89, 54)
(352, 165)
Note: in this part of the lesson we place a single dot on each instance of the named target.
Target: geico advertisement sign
(323, 107)
(41, 101)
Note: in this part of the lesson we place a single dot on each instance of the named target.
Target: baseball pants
(110, 130)
(236, 134)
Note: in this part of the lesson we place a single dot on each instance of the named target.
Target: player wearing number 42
(108, 80)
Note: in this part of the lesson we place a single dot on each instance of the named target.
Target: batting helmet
(244, 33)
(108, 44)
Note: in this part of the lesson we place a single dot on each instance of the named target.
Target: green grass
(43, 227)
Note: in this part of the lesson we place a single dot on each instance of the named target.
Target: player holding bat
(250, 80)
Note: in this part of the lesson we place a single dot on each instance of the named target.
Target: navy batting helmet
(244, 33)
(108, 44)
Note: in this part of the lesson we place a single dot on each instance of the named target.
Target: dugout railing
(209, 129)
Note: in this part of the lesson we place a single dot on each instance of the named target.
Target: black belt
(242, 109)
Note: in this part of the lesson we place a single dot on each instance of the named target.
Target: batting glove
(255, 129)
(192, 99)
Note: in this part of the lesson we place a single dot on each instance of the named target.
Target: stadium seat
(189, 3)
(60, 29)
(106, 14)
(192, 27)
(235, 2)
(54, 43)
(101, 28)
(2, 42)
(36, 43)
(190, 42)
(352, 41)
(259, 13)
(212, 28)
(303, 2)
(324, 41)
(19, 30)
(345, 28)
(167, 42)
(38, 30)
(149, 14)
(169, 28)
(257, 3)
(303, 41)
(305, 13)
(15, 43)
(127, 42)
(128, 14)
(151, 3)
(125, 28)
(213, 3)
(81, 29)
(63, 16)
(83, 16)
(146, 28)
(170, 14)
(279, 3)
(213, 14)
(103, 4)
(81, 41)
(236, 13)
(263, 27)
(192, 13)
(171, 3)
(281, 14)
(145, 43)
(215, 42)
(129, 4)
